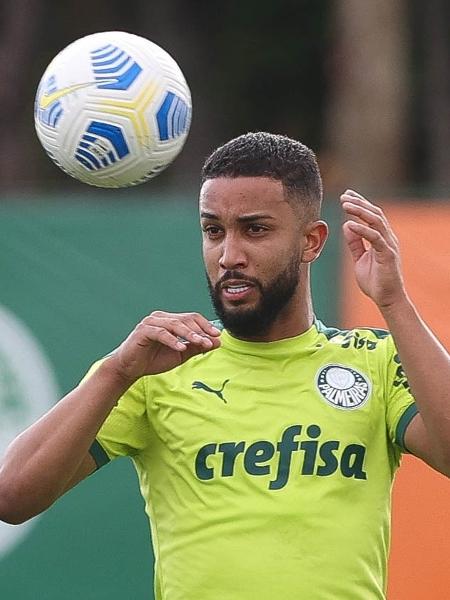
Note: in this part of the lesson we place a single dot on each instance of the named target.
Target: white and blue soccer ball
(113, 109)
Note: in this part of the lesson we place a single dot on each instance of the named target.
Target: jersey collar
(308, 340)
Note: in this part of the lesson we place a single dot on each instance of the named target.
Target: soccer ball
(113, 109)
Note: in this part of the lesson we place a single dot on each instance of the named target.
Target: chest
(267, 419)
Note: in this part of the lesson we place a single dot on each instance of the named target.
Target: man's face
(252, 246)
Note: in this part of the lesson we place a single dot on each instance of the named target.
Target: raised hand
(374, 249)
(162, 341)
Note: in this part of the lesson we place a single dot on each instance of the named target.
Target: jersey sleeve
(125, 431)
(401, 408)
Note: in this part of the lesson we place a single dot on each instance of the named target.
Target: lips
(236, 289)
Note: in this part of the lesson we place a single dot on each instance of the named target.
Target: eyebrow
(243, 219)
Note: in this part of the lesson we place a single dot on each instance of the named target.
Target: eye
(212, 231)
(255, 228)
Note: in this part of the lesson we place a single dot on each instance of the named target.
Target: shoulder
(369, 351)
(366, 347)
(359, 338)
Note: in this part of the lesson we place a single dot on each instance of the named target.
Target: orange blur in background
(419, 567)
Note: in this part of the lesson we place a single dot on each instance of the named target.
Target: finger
(185, 332)
(151, 333)
(354, 193)
(374, 237)
(358, 199)
(376, 221)
(206, 343)
(193, 350)
(206, 326)
(354, 242)
(365, 215)
(202, 325)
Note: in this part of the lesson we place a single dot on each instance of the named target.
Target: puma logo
(199, 385)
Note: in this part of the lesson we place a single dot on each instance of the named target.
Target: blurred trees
(366, 84)
(388, 109)
(435, 43)
(367, 111)
(18, 41)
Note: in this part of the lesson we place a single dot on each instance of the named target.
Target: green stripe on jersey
(98, 454)
(403, 423)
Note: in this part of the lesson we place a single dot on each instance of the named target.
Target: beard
(274, 296)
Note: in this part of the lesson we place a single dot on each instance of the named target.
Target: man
(265, 452)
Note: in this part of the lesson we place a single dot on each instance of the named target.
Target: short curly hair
(278, 157)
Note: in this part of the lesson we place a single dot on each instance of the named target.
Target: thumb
(354, 241)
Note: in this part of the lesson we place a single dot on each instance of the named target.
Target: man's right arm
(52, 455)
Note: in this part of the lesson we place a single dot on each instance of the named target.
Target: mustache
(230, 275)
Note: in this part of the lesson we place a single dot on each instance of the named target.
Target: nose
(233, 256)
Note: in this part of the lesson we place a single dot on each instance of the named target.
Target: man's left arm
(376, 257)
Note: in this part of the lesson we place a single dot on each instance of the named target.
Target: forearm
(41, 462)
(52, 455)
(427, 367)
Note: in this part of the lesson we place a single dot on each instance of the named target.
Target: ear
(315, 236)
